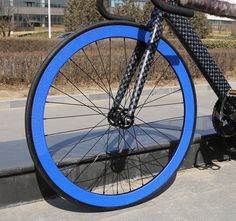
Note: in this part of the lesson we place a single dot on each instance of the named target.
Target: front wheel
(76, 148)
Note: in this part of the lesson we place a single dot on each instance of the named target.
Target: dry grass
(18, 68)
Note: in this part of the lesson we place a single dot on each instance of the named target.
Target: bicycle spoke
(161, 97)
(153, 140)
(95, 70)
(98, 180)
(103, 65)
(107, 143)
(75, 130)
(159, 127)
(79, 105)
(138, 147)
(128, 173)
(110, 69)
(79, 91)
(128, 92)
(157, 82)
(76, 99)
(165, 119)
(149, 162)
(148, 124)
(71, 116)
(138, 156)
(92, 162)
(80, 141)
(89, 76)
(147, 170)
(162, 105)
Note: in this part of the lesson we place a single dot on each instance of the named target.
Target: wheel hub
(119, 118)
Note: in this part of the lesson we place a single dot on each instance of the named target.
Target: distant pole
(49, 20)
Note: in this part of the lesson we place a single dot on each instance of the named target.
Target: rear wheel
(81, 151)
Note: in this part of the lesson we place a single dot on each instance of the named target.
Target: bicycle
(141, 131)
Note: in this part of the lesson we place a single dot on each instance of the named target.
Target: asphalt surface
(195, 195)
(13, 148)
(12, 120)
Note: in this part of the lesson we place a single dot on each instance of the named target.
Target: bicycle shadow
(63, 204)
(164, 135)
(148, 135)
(212, 147)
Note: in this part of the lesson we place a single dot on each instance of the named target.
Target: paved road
(12, 120)
(195, 195)
(13, 148)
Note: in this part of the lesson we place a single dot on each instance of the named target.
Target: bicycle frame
(143, 57)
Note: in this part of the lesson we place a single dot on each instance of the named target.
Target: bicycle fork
(142, 57)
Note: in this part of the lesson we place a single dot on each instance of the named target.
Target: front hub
(119, 118)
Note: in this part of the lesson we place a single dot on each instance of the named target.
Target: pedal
(231, 94)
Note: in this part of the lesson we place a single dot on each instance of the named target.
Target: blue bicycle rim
(37, 124)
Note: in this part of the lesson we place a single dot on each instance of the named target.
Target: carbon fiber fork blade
(146, 63)
(129, 73)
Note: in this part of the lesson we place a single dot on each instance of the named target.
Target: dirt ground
(13, 91)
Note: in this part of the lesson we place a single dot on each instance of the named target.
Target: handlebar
(158, 3)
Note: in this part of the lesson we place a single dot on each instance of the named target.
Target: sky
(232, 1)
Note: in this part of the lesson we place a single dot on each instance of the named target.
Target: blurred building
(222, 24)
(33, 13)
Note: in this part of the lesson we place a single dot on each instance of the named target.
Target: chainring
(222, 120)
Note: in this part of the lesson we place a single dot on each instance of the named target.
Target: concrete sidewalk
(195, 195)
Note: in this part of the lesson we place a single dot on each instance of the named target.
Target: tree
(6, 24)
(147, 10)
(129, 9)
(80, 13)
(201, 24)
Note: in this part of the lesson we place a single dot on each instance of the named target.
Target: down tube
(199, 53)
